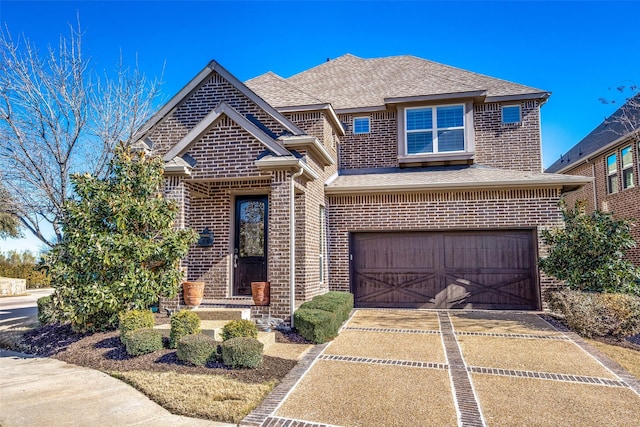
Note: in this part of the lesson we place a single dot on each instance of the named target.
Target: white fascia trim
(571, 184)
(332, 178)
(175, 169)
(508, 98)
(214, 66)
(596, 153)
(310, 143)
(333, 117)
(437, 97)
(270, 163)
(223, 108)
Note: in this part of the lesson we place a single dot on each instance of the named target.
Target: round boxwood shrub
(197, 349)
(184, 322)
(131, 320)
(239, 328)
(242, 352)
(142, 341)
(46, 312)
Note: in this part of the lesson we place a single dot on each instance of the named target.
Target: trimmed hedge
(239, 328)
(597, 314)
(184, 322)
(242, 352)
(197, 349)
(320, 319)
(142, 341)
(132, 320)
(46, 312)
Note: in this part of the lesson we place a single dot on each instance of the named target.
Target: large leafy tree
(59, 115)
(588, 252)
(120, 249)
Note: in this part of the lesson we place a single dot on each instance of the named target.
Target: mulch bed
(104, 351)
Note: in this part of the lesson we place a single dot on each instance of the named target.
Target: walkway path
(412, 367)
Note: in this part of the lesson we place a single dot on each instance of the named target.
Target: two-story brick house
(610, 154)
(407, 182)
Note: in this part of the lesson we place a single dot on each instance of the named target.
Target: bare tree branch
(59, 116)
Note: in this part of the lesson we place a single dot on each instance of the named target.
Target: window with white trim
(511, 114)
(437, 129)
(626, 155)
(323, 245)
(361, 125)
(612, 174)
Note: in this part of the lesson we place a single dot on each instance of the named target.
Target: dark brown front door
(471, 269)
(250, 249)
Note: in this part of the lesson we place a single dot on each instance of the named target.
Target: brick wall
(509, 147)
(200, 103)
(623, 204)
(435, 211)
(376, 149)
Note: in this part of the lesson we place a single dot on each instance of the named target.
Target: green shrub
(239, 328)
(184, 322)
(197, 349)
(593, 314)
(134, 319)
(46, 311)
(316, 325)
(242, 352)
(142, 341)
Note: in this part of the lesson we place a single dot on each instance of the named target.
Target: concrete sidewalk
(48, 392)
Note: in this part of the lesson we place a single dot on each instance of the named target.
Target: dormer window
(361, 125)
(511, 114)
(434, 129)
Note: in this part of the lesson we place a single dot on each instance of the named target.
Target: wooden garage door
(479, 269)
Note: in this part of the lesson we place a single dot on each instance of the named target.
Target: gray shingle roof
(610, 130)
(447, 178)
(352, 82)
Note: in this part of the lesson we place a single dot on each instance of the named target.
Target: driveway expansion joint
(401, 331)
(371, 360)
(507, 335)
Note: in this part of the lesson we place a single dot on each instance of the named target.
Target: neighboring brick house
(611, 155)
(407, 182)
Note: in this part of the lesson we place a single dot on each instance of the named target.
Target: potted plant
(193, 293)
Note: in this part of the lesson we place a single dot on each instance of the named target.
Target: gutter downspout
(292, 242)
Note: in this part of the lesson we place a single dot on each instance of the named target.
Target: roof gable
(212, 68)
(350, 82)
(225, 109)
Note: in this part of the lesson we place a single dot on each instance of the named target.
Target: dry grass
(200, 396)
(628, 358)
(533, 402)
(359, 394)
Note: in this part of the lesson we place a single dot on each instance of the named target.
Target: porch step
(243, 302)
(213, 328)
(222, 313)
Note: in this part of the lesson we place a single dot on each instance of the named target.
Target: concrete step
(205, 313)
(213, 328)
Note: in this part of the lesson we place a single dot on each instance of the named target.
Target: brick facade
(623, 204)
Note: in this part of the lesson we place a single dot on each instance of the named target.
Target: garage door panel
(477, 269)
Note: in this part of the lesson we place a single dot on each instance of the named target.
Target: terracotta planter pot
(260, 293)
(193, 292)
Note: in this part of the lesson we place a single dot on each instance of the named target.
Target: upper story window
(626, 155)
(434, 129)
(361, 125)
(511, 114)
(612, 173)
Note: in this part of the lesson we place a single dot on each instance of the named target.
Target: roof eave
(477, 95)
(311, 144)
(564, 185)
(278, 163)
(543, 96)
(331, 113)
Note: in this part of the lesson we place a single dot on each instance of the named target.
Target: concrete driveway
(21, 309)
(448, 368)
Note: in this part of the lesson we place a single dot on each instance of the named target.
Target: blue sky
(576, 50)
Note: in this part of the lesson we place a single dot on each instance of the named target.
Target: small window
(511, 114)
(612, 174)
(626, 156)
(361, 125)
